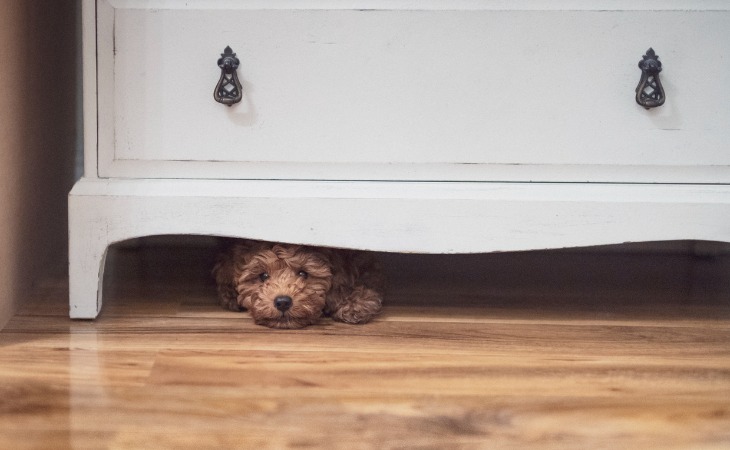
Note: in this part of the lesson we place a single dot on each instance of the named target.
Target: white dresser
(433, 126)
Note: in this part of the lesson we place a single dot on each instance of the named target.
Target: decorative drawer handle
(649, 92)
(228, 90)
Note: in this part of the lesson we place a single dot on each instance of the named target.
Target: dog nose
(282, 302)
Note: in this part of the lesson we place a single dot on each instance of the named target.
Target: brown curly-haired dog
(292, 286)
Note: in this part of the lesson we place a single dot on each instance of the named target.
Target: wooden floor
(553, 363)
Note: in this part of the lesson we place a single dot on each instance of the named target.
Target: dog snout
(283, 302)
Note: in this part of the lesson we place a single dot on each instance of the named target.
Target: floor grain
(448, 365)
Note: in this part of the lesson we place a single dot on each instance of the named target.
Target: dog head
(283, 286)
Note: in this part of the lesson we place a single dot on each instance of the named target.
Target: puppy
(292, 286)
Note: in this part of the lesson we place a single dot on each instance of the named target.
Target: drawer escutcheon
(228, 90)
(649, 92)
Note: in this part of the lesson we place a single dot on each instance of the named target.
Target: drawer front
(427, 94)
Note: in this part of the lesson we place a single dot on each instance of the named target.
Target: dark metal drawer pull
(228, 90)
(649, 92)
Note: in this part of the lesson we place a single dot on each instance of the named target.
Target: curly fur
(345, 284)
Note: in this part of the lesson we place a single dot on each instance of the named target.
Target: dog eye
(303, 274)
(264, 276)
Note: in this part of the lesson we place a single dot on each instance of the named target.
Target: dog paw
(361, 306)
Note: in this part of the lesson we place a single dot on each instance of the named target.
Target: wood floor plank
(165, 367)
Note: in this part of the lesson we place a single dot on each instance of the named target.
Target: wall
(38, 110)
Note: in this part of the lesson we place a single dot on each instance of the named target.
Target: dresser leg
(86, 277)
(87, 255)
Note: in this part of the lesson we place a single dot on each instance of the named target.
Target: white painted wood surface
(89, 82)
(385, 216)
(162, 159)
(426, 94)
(428, 5)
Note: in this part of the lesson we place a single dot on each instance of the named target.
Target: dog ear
(224, 275)
(244, 300)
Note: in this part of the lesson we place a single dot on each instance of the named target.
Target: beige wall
(37, 141)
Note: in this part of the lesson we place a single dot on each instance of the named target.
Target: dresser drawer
(470, 92)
